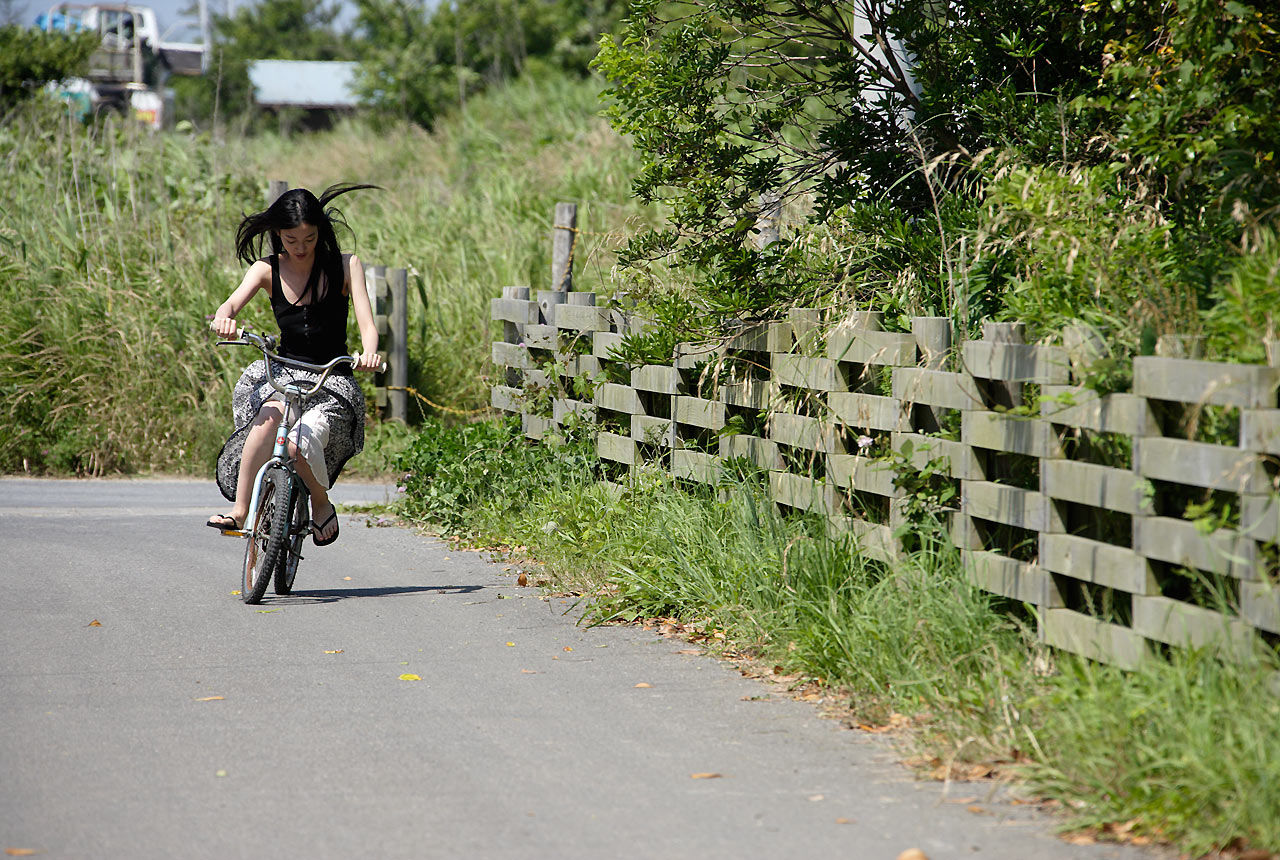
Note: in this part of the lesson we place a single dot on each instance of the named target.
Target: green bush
(456, 475)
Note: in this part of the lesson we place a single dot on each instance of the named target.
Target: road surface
(148, 713)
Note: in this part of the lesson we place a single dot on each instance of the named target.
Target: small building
(321, 88)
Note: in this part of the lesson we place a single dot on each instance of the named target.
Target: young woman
(311, 284)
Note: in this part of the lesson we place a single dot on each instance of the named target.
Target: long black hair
(296, 207)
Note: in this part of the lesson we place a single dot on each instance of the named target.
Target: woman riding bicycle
(311, 285)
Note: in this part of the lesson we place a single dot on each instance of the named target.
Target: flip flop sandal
(316, 528)
(228, 526)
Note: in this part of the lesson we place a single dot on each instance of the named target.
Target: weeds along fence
(389, 298)
(1131, 521)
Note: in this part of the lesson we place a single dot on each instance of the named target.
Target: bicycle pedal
(233, 533)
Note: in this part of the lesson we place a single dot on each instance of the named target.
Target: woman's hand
(370, 361)
(224, 327)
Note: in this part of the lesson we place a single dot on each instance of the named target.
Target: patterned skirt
(340, 401)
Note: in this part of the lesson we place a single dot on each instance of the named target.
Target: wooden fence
(1131, 521)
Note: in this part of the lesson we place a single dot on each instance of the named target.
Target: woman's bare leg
(257, 450)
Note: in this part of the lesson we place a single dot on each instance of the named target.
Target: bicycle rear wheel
(299, 521)
(269, 536)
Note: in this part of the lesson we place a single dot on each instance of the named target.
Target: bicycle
(279, 517)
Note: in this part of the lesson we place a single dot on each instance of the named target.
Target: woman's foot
(225, 523)
(324, 526)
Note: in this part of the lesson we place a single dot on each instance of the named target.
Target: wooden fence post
(563, 241)
(398, 344)
(275, 188)
(769, 219)
(375, 283)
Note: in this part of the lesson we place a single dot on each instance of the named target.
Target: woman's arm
(257, 278)
(369, 358)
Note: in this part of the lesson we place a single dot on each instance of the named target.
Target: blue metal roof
(304, 83)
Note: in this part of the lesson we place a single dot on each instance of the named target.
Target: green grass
(1182, 750)
(115, 244)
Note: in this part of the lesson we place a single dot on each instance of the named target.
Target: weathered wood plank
(511, 355)
(1012, 506)
(1181, 624)
(548, 302)
(867, 411)
(1260, 605)
(618, 398)
(806, 494)
(615, 448)
(696, 466)
(575, 365)
(1093, 485)
(651, 431)
(862, 473)
(1010, 578)
(540, 336)
(960, 461)
(506, 398)
(690, 355)
(535, 426)
(698, 412)
(750, 393)
(656, 378)
(603, 343)
(561, 409)
(800, 371)
(801, 431)
(1076, 406)
(1199, 464)
(1016, 362)
(874, 540)
(1260, 430)
(1105, 564)
(514, 311)
(1094, 639)
(1248, 386)
(1179, 542)
(865, 346)
(763, 452)
(751, 339)
(938, 388)
(1033, 437)
(1260, 518)
(582, 318)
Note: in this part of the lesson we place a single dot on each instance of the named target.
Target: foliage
(31, 58)
(421, 59)
(451, 471)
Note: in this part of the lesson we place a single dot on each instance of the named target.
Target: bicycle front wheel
(269, 537)
(299, 521)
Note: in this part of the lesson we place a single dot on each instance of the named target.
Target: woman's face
(299, 242)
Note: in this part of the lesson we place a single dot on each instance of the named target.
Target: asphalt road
(185, 724)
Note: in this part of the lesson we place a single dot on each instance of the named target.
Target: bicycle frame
(295, 395)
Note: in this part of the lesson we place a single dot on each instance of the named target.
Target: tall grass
(115, 243)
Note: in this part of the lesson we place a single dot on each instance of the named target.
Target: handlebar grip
(355, 361)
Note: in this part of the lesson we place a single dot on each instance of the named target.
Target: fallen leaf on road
(913, 854)
(706, 776)
(522, 580)
(567, 648)
(94, 623)
(844, 821)
(814, 798)
(211, 699)
(643, 686)
(265, 611)
(236, 593)
(408, 677)
(338, 651)
(20, 852)
(528, 672)
(511, 644)
(689, 651)
(220, 773)
(346, 579)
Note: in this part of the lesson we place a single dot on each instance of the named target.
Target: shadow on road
(332, 595)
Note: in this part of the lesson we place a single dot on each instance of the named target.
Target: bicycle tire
(269, 536)
(299, 522)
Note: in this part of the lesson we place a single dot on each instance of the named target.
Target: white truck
(129, 71)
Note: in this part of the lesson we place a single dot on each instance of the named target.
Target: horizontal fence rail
(1131, 521)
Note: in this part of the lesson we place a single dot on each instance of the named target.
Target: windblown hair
(294, 208)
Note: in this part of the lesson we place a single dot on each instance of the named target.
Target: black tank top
(313, 331)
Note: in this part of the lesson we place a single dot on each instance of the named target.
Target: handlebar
(267, 345)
